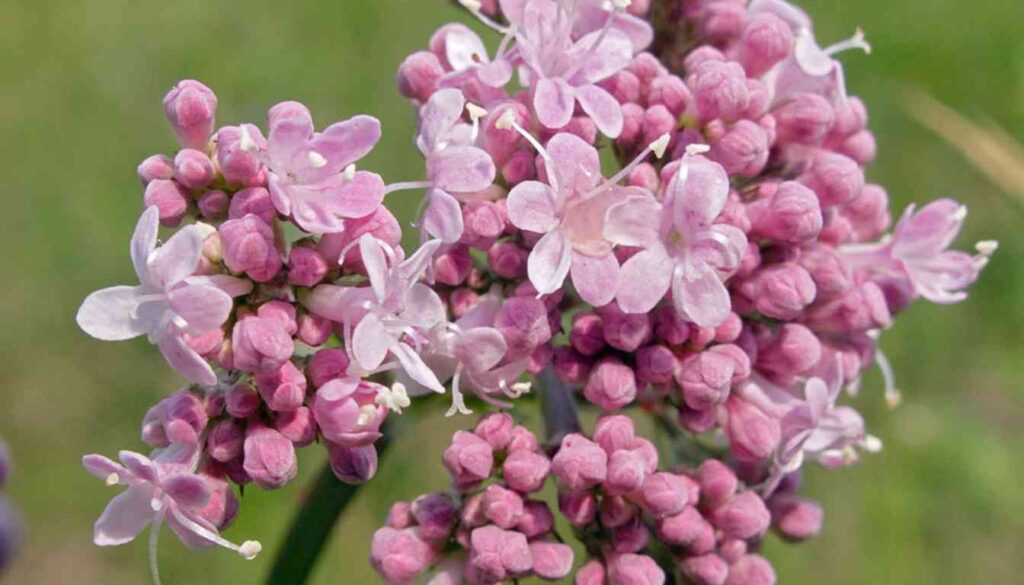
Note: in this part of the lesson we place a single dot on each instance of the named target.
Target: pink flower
(347, 412)
(168, 303)
(306, 168)
(400, 555)
(683, 249)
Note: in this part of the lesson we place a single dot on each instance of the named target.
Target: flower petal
(204, 308)
(184, 359)
(603, 109)
(596, 278)
(188, 490)
(549, 261)
(440, 114)
(443, 217)
(124, 517)
(577, 163)
(644, 279)
(101, 467)
(699, 294)
(233, 286)
(376, 263)
(533, 206)
(287, 144)
(416, 368)
(177, 259)
(140, 466)
(370, 342)
(480, 349)
(356, 197)
(344, 143)
(697, 194)
(461, 169)
(633, 222)
(144, 240)
(110, 314)
(553, 100)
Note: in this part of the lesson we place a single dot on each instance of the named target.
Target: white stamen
(519, 388)
(961, 213)
(316, 159)
(871, 444)
(987, 247)
(471, 5)
(394, 399)
(659, 146)
(506, 121)
(475, 111)
(245, 142)
(695, 149)
(157, 504)
(857, 41)
(112, 480)
(458, 403)
(621, 4)
(349, 173)
(366, 413)
(893, 398)
(250, 549)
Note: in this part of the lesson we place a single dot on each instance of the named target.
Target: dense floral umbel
(731, 278)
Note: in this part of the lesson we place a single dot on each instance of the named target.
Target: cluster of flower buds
(10, 519)
(732, 277)
(488, 528)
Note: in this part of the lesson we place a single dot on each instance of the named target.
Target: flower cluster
(10, 519)
(731, 278)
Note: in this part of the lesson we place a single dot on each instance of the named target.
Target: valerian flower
(169, 302)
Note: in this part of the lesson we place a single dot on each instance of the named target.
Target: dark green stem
(557, 408)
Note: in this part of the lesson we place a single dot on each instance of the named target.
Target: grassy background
(80, 105)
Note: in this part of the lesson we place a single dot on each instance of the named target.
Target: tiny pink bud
(579, 508)
(804, 119)
(580, 463)
(742, 150)
(190, 108)
(269, 457)
(213, 205)
(255, 201)
(469, 459)
(751, 570)
(507, 260)
(670, 91)
(283, 389)
(766, 40)
(796, 518)
(664, 494)
(522, 440)
(502, 506)
(523, 321)
(551, 560)
(306, 267)
(418, 76)
(592, 573)
(298, 426)
(525, 471)
(614, 433)
(537, 519)
(193, 169)
(241, 401)
(452, 266)
(353, 465)
(611, 384)
(400, 556)
(157, 166)
(753, 435)
(835, 178)
(327, 365)
(634, 569)
(708, 569)
(170, 198)
(670, 326)
(224, 442)
(627, 471)
(313, 330)
(249, 248)
(655, 364)
(791, 214)
(238, 155)
(780, 291)
(435, 515)
(717, 482)
(743, 516)
(719, 90)
(496, 429)
(625, 331)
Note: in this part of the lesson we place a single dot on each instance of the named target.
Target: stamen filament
(407, 185)
(857, 41)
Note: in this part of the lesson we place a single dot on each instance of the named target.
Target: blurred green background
(80, 91)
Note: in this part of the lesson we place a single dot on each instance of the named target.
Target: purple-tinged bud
(525, 471)
(587, 334)
(753, 435)
(780, 291)
(571, 367)
(828, 270)
(627, 471)
(238, 149)
(869, 213)
(222, 508)
(580, 463)
(283, 389)
(213, 205)
(766, 40)
(861, 147)
(484, 223)
(551, 560)
(249, 248)
(496, 428)
(177, 419)
(400, 515)
(646, 67)
(582, 127)
(537, 519)
(851, 116)
(497, 554)
(655, 364)
(611, 384)
(730, 330)
(648, 451)
(687, 529)
(522, 440)
(418, 76)
(795, 350)
(592, 573)
(507, 260)
(625, 331)
(306, 267)
(742, 150)
(353, 465)
(624, 87)
(795, 518)
(631, 537)
(634, 569)
(743, 516)
(540, 359)
(670, 326)
(452, 266)
(255, 201)
(260, 343)
(435, 516)
(461, 300)
(720, 90)
(697, 421)
(400, 556)
(224, 441)
(170, 198)
(281, 311)
(469, 459)
(347, 413)
(861, 309)
(615, 511)
(190, 107)
(327, 365)
(298, 426)
(644, 176)
(632, 126)
(657, 122)
(706, 377)
(269, 457)
(836, 179)
(502, 506)
(579, 508)
(523, 321)
(732, 549)
(157, 166)
(708, 569)
(614, 433)
(751, 570)
(502, 142)
(313, 330)
(241, 401)
(717, 482)
(519, 167)
(722, 21)
(804, 119)
(665, 494)
(791, 214)
(193, 169)
(670, 91)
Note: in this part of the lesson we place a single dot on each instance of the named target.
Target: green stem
(557, 408)
(312, 526)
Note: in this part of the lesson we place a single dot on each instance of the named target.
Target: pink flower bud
(794, 351)
(657, 122)
(269, 457)
(707, 377)
(751, 570)
(497, 554)
(861, 147)
(570, 366)
(327, 365)
(655, 364)
(314, 330)
(670, 91)
(836, 179)
(400, 515)
(804, 119)
(743, 516)
(634, 569)
(631, 537)
(283, 388)
(611, 384)
(614, 433)
(496, 429)
(587, 333)
(193, 169)
(224, 442)
(452, 266)
(648, 451)
(722, 21)
(717, 482)
(869, 213)
(507, 260)
(579, 508)
(298, 426)
(170, 198)
(523, 321)
(664, 494)
(766, 40)
(632, 127)
(551, 560)
(238, 155)
(179, 418)
(851, 116)
(190, 108)
(522, 440)
(625, 331)
(627, 471)
(519, 167)
(241, 401)
(157, 166)
(222, 507)
(580, 463)
(249, 247)
(503, 507)
(624, 87)
(418, 76)
(708, 569)
(525, 471)
(732, 550)
(796, 518)
(260, 343)
(742, 150)
(213, 205)
(687, 529)
(484, 223)
(781, 291)
(537, 519)
(670, 326)
(435, 516)
(353, 465)
(828, 270)
(791, 214)
(306, 267)
(719, 90)
(346, 412)
(400, 556)
(860, 309)
(469, 459)
(255, 201)
(646, 67)
(753, 435)
(592, 573)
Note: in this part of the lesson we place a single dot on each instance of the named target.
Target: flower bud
(193, 169)
(835, 178)
(717, 482)
(496, 554)
(766, 40)
(631, 537)
(796, 518)
(627, 471)
(157, 166)
(719, 90)
(190, 107)
(580, 463)
(327, 365)
(551, 560)
(657, 122)
(306, 267)
(686, 529)
(792, 352)
(634, 569)
(353, 465)
(665, 494)
(238, 149)
(624, 87)
(224, 441)
(213, 205)
(611, 384)
(400, 556)
(860, 309)
(269, 457)
(502, 506)
(743, 516)
(592, 573)
(298, 426)
(496, 428)
(435, 515)
(170, 198)
(255, 201)
(484, 223)
(282, 388)
(579, 508)
(791, 214)
(780, 291)
(753, 435)
(260, 343)
(706, 377)
(507, 260)
(751, 570)
(519, 167)
(418, 76)
(523, 321)
(804, 119)
(670, 326)
(570, 366)
(241, 400)
(625, 331)
(469, 459)
(525, 471)
(177, 419)
(743, 150)
(346, 411)
(249, 248)
(670, 91)
(452, 266)
(614, 433)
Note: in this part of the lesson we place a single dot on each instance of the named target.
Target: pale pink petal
(370, 342)
(929, 231)
(101, 467)
(443, 217)
(187, 533)
(311, 208)
(189, 491)
(438, 116)
(603, 109)
(144, 240)
(279, 194)
(496, 73)
(287, 144)
(111, 314)
(413, 267)
(553, 100)
(344, 143)
(461, 169)
(633, 222)
(722, 246)
(140, 466)
(817, 395)
(424, 307)
(338, 303)
(699, 294)
(697, 194)
(204, 308)
(644, 279)
(612, 55)
(533, 206)
(376, 263)
(549, 260)
(480, 349)
(124, 517)
(234, 287)
(415, 368)
(513, 9)
(577, 163)
(596, 279)
(463, 48)
(356, 197)
(177, 259)
(184, 359)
